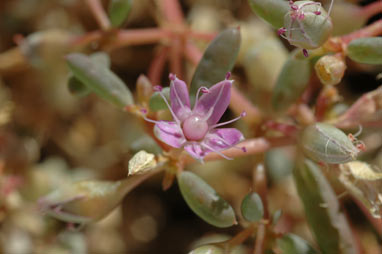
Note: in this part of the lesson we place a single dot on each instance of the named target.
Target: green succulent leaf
(291, 82)
(76, 87)
(366, 50)
(218, 59)
(204, 201)
(293, 244)
(323, 212)
(252, 207)
(156, 101)
(99, 79)
(272, 11)
(119, 11)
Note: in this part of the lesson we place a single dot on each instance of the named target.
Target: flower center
(195, 128)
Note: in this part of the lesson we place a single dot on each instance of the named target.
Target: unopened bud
(144, 89)
(330, 69)
(325, 143)
(307, 25)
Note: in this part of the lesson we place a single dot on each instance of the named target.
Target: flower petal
(180, 100)
(170, 133)
(196, 151)
(224, 138)
(214, 103)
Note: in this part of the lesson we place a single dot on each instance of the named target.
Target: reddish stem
(172, 11)
(287, 129)
(240, 103)
(260, 239)
(202, 36)
(99, 13)
(176, 50)
(139, 36)
(157, 65)
(371, 30)
(253, 146)
(371, 9)
(192, 53)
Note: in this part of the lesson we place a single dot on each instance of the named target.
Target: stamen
(317, 12)
(305, 52)
(202, 89)
(243, 114)
(157, 88)
(168, 105)
(330, 8)
(172, 76)
(281, 31)
(228, 75)
(229, 145)
(216, 151)
(211, 110)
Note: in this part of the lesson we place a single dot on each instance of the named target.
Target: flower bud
(307, 25)
(144, 89)
(330, 69)
(325, 143)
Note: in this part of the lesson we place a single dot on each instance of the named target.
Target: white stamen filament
(169, 107)
(218, 152)
(177, 97)
(228, 122)
(197, 95)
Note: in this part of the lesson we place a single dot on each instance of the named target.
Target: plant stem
(192, 53)
(240, 103)
(371, 30)
(241, 237)
(172, 11)
(253, 146)
(371, 9)
(176, 50)
(260, 237)
(157, 65)
(139, 36)
(99, 13)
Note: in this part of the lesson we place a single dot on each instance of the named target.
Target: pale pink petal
(196, 151)
(180, 101)
(215, 102)
(170, 133)
(221, 139)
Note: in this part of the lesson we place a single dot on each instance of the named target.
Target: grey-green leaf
(291, 82)
(252, 207)
(76, 87)
(366, 50)
(204, 201)
(272, 11)
(119, 11)
(293, 244)
(156, 101)
(323, 212)
(99, 79)
(218, 59)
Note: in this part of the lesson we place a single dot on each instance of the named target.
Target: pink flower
(196, 130)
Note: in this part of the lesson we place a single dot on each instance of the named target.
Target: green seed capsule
(307, 25)
(271, 11)
(325, 143)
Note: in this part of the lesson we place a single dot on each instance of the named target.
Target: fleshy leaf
(204, 201)
(99, 79)
(293, 244)
(291, 82)
(156, 101)
(366, 50)
(76, 87)
(252, 207)
(218, 59)
(272, 11)
(119, 11)
(323, 212)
